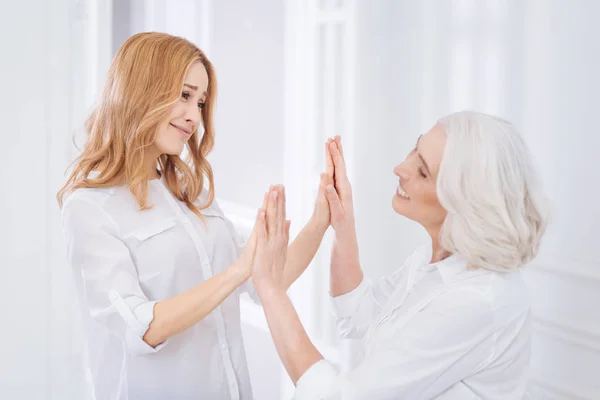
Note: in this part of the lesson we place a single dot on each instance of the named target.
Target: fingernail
(275, 195)
(329, 188)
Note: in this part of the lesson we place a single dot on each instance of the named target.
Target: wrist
(269, 293)
(346, 235)
(241, 269)
(316, 226)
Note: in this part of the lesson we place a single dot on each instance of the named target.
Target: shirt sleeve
(443, 344)
(105, 276)
(355, 311)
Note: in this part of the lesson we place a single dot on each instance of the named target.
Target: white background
(291, 73)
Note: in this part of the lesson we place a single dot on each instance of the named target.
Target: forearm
(184, 310)
(302, 251)
(291, 341)
(345, 271)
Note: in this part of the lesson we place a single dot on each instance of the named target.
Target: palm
(272, 233)
(340, 198)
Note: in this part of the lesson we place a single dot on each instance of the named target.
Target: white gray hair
(488, 184)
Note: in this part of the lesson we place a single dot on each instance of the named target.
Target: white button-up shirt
(431, 331)
(124, 261)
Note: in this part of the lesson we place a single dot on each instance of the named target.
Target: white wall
(35, 112)
(23, 216)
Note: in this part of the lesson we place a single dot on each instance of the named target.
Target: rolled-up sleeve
(105, 276)
(442, 345)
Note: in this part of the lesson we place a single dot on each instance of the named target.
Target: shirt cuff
(137, 313)
(346, 304)
(320, 381)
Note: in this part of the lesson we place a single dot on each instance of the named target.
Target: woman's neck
(151, 167)
(438, 253)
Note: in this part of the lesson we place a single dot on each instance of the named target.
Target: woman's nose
(193, 115)
(400, 170)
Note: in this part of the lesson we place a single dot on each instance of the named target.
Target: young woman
(158, 267)
(453, 322)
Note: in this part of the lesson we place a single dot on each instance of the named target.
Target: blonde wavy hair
(143, 84)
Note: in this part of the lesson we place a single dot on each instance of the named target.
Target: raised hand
(272, 234)
(246, 259)
(339, 195)
(321, 215)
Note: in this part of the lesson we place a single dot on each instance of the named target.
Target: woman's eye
(185, 95)
(422, 173)
(201, 105)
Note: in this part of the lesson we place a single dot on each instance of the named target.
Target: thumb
(251, 243)
(335, 205)
(325, 181)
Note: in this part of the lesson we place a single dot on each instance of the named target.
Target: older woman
(453, 322)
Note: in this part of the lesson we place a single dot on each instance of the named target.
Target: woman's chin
(400, 205)
(174, 151)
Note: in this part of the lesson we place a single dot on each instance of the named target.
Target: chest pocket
(155, 248)
(142, 234)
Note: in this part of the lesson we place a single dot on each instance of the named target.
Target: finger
(260, 226)
(288, 223)
(328, 160)
(283, 199)
(265, 200)
(322, 184)
(280, 206)
(338, 140)
(272, 213)
(339, 164)
(325, 180)
(340, 147)
(335, 205)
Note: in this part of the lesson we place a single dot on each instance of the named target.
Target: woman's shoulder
(95, 196)
(96, 202)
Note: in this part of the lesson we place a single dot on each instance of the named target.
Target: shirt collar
(452, 269)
